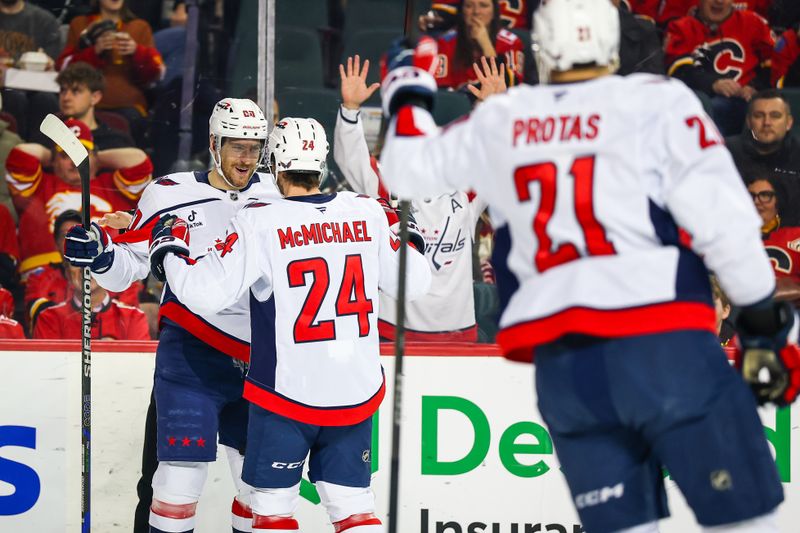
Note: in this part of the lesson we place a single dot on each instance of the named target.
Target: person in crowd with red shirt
(111, 319)
(781, 242)
(478, 33)
(47, 285)
(9, 249)
(514, 14)
(724, 53)
(9, 328)
(113, 40)
(39, 196)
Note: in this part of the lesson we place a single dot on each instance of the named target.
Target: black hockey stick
(400, 336)
(60, 134)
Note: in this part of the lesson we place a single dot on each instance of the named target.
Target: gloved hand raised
(415, 237)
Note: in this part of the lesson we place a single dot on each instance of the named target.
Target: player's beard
(235, 176)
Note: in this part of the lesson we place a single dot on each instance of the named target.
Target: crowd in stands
(117, 67)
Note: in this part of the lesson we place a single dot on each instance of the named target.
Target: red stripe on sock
(274, 522)
(240, 509)
(363, 519)
(171, 510)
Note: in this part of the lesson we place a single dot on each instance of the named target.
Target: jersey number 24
(546, 174)
(351, 298)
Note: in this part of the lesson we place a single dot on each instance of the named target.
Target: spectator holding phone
(115, 41)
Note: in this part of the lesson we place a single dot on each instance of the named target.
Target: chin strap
(218, 161)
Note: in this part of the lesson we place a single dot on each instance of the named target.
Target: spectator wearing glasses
(782, 242)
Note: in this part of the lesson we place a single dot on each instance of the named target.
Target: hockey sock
(274, 524)
(241, 517)
(172, 518)
(359, 523)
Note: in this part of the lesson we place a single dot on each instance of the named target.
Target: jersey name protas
(561, 128)
(324, 233)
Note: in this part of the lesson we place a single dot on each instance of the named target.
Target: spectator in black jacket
(767, 146)
(640, 45)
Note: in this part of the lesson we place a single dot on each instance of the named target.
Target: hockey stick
(400, 337)
(60, 134)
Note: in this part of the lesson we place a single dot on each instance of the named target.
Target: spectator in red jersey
(9, 328)
(121, 45)
(39, 197)
(675, 9)
(110, 319)
(514, 14)
(9, 249)
(781, 242)
(785, 64)
(478, 33)
(47, 285)
(724, 53)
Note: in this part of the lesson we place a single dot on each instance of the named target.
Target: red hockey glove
(415, 237)
(169, 235)
(407, 72)
(769, 362)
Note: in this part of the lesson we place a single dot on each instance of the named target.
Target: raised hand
(354, 83)
(491, 79)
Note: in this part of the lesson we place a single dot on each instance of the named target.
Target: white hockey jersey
(447, 221)
(611, 191)
(312, 266)
(208, 211)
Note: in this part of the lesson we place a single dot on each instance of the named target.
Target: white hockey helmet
(298, 145)
(571, 33)
(235, 118)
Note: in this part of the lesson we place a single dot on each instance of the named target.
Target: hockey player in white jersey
(201, 357)
(311, 264)
(447, 312)
(614, 196)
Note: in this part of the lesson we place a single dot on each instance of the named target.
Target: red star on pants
(186, 441)
(201, 442)
(171, 441)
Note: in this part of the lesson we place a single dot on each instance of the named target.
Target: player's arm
(418, 159)
(350, 150)
(215, 281)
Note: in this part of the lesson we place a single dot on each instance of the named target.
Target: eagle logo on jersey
(256, 204)
(164, 180)
(227, 245)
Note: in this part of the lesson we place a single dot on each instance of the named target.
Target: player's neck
(288, 190)
(218, 182)
(578, 74)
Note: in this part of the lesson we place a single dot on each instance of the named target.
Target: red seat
(113, 120)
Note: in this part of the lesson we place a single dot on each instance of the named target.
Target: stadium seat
(706, 101)
(113, 120)
(450, 105)
(374, 14)
(298, 58)
(309, 14)
(369, 44)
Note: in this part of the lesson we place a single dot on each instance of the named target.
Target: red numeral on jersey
(350, 300)
(706, 140)
(546, 174)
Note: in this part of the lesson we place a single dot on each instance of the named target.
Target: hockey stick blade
(59, 133)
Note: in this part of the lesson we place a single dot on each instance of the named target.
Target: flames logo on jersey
(726, 57)
(226, 246)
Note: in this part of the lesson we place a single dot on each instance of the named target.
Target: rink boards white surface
(484, 401)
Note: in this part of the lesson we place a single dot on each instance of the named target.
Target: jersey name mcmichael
(323, 233)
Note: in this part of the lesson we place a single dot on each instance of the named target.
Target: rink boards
(475, 456)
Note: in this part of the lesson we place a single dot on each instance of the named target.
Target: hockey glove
(769, 363)
(169, 235)
(415, 237)
(407, 72)
(92, 248)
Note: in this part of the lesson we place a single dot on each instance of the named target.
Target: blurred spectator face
(60, 233)
(75, 278)
(65, 169)
(715, 11)
(765, 199)
(240, 158)
(722, 310)
(111, 5)
(478, 10)
(769, 120)
(77, 100)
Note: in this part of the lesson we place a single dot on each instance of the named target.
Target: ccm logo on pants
(598, 496)
(287, 466)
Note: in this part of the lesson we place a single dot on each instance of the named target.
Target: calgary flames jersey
(507, 45)
(783, 249)
(39, 197)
